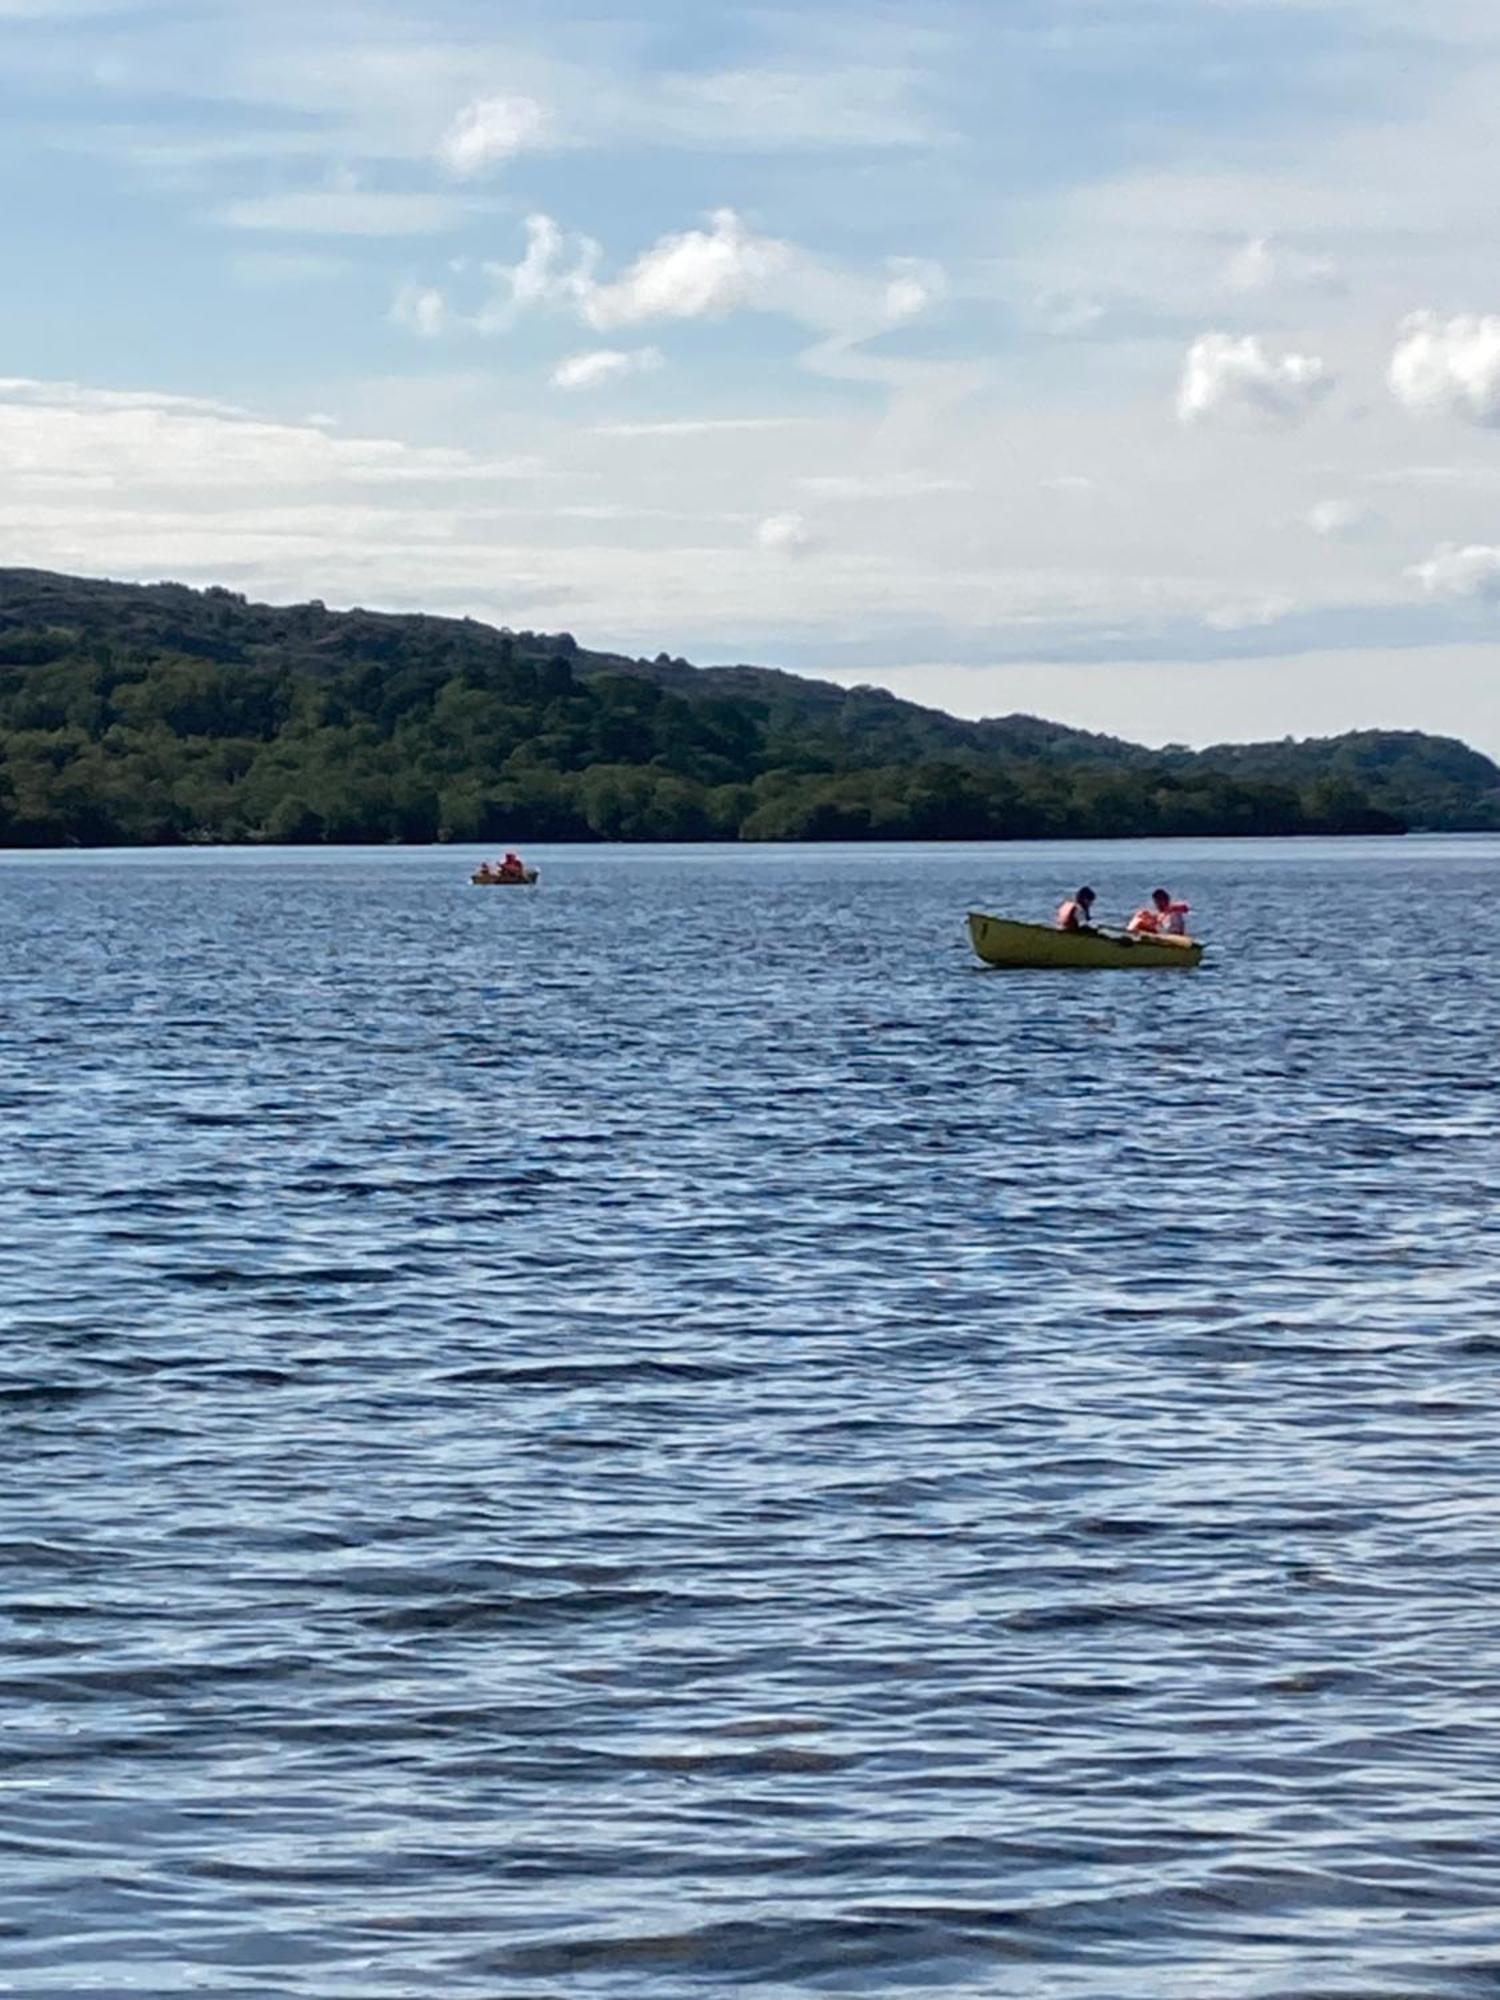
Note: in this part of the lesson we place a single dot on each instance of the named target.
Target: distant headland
(135, 714)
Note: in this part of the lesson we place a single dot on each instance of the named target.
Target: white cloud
(699, 274)
(347, 212)
(605, 364)
(27, 391)
(1240, 380)
(695, 275)
(916, 284)
(1450, 571)
(555, 270)
(832, 104)
(421, 309)
(1339, 520)
(1265, 263)
(488, 132)
(1448, 367)
(785, 534)
(727, 267)
(60, 432)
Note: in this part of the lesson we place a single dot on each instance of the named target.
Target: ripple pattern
(674, 1433)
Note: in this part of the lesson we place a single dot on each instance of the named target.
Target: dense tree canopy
(160, 714)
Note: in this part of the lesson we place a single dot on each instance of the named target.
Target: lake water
(673, 1433)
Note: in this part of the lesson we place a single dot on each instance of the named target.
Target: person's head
(1086, 897)
(1162, 899)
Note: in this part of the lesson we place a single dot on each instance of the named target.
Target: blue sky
(1131, 361)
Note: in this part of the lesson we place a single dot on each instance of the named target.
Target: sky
(1130, 362)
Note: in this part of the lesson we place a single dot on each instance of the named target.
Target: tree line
(111, 741)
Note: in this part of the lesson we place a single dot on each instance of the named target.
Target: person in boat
(1161, 917)
(1151, 918)
(1076, 914)
(512, 868)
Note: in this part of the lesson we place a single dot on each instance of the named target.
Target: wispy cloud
(1266, 263)
(64, 430)
(347, 212)
(556, 270)
(777, 108)
(378, 83)
(421, 309)
(604, 365)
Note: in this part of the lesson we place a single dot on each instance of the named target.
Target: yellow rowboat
(487, 878)
(1000, 941)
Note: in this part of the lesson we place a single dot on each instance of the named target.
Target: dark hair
(1085, 896)
(1161, 895)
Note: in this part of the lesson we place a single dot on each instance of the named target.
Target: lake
(672, 1432)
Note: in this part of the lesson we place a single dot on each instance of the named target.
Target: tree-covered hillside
(156, 713)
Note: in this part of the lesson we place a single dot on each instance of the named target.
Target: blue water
(672, 1433)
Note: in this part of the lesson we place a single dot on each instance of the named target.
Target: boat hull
(526, 881)
(1002, 941)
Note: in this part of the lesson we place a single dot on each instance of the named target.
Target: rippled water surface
(673, 1433)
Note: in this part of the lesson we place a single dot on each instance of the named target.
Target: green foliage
(159, 714)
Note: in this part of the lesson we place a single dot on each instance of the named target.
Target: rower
(1161, 917)
(1076, 913)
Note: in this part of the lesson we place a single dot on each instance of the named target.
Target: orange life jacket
(1071, 915)
(1144, 922)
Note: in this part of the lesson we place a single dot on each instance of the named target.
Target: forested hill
(156, 713)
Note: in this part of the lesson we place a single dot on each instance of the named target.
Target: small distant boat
(1003, 941)
(492, 878)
